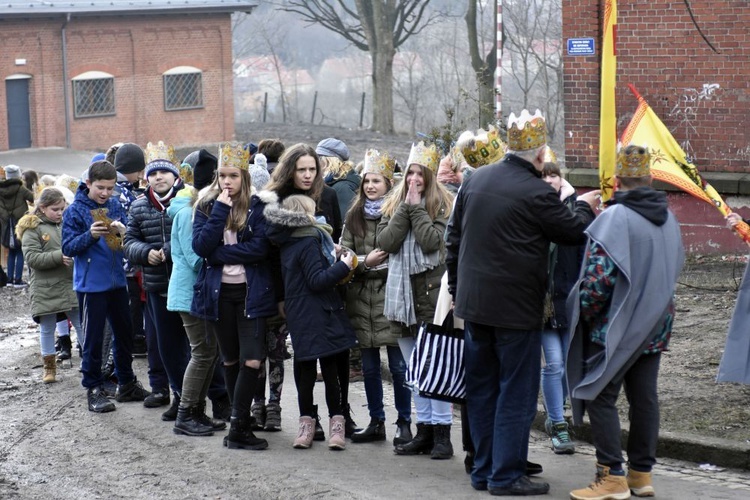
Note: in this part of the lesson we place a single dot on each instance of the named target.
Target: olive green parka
(51, 282)
(429, 234)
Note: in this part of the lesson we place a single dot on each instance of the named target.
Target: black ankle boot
(171, 414)
(403, 432)
(442, 448)
(375, 431)
(241, 436)
(187, 424)
(350, 427)
(66, 346)
(319, 434)
(200, 415)
(422, 442)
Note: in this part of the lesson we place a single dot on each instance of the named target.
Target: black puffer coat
(150, 229)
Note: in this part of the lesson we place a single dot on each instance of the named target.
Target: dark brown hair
(102, 170)
(272, 148)
(282, 179)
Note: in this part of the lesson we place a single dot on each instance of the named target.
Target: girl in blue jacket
(233, 290)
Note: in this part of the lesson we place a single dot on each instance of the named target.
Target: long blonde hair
(240, 204)
(435, 196)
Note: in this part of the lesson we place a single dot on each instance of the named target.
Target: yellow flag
(608, 109)
(669, 163)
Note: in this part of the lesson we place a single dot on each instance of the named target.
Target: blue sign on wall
(581, 47)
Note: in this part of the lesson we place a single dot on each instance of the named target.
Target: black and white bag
(436, 367)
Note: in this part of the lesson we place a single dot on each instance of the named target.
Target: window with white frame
(94, 94)
(183, 88)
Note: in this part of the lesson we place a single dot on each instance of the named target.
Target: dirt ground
(51, 426)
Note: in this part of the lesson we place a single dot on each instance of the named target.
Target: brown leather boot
(50, 369)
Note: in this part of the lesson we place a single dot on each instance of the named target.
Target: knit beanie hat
(161, 157)
(333, 147)
(259, 173)
(204, 168)
(129, 159)
(12, 172)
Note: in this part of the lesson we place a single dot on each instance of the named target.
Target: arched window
(94, 94)
(183, 88)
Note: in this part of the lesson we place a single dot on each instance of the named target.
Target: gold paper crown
(526, 131)
(482, 148)
(424, 155)
(549, 155)
(234, 154)
(186, 173)
(379, 163)
(633, 161)
(2, 171)
(161, 151)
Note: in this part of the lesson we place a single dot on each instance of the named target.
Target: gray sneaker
(561, 443)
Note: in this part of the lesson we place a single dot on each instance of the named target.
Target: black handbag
(436, 367)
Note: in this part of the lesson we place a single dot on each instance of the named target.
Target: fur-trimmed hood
(279, 216)
(28, 221)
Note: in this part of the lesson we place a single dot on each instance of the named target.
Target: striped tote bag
(436, 368)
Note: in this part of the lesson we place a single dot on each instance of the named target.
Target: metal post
(499, 68)
(66, 98)
(315, 104)
(362, 110)
(265, 105)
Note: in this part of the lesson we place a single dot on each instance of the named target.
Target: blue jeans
(502, 384)
(174, 345)
(96, 309)
(553, 374)
(47, 327)
(15, 264)
(157, 376)
(374, 382)
(429, 411)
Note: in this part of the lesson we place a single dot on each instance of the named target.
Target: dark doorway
(19, 122)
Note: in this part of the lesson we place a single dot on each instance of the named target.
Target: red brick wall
(664, 56)
(136, 50)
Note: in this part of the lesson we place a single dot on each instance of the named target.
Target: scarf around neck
(162, 202)
(410, 260)
(373, 208)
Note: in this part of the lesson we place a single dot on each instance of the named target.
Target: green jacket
(365, 295)
(429, 234)
(51, 283)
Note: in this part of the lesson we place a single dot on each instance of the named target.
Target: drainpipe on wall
(66, 99)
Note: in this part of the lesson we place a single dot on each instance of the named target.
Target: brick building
(89, 74)
(698, 84)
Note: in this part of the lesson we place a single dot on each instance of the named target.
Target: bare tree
(375, 26)
(484, 67)
(533, 41)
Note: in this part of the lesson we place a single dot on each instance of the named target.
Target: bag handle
(448, 321)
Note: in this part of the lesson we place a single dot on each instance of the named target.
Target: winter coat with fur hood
(315, 314)
(51, 281)
(251, 250)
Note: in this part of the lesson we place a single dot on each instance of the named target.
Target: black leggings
(305, 373)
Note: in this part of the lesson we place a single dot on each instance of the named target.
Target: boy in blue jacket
(93, 228)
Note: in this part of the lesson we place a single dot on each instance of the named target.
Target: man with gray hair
(497, 244)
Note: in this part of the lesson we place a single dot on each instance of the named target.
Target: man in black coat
(497, 244)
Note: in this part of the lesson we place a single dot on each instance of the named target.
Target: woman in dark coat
(317, 322)
(14, 204)
(300, 171)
